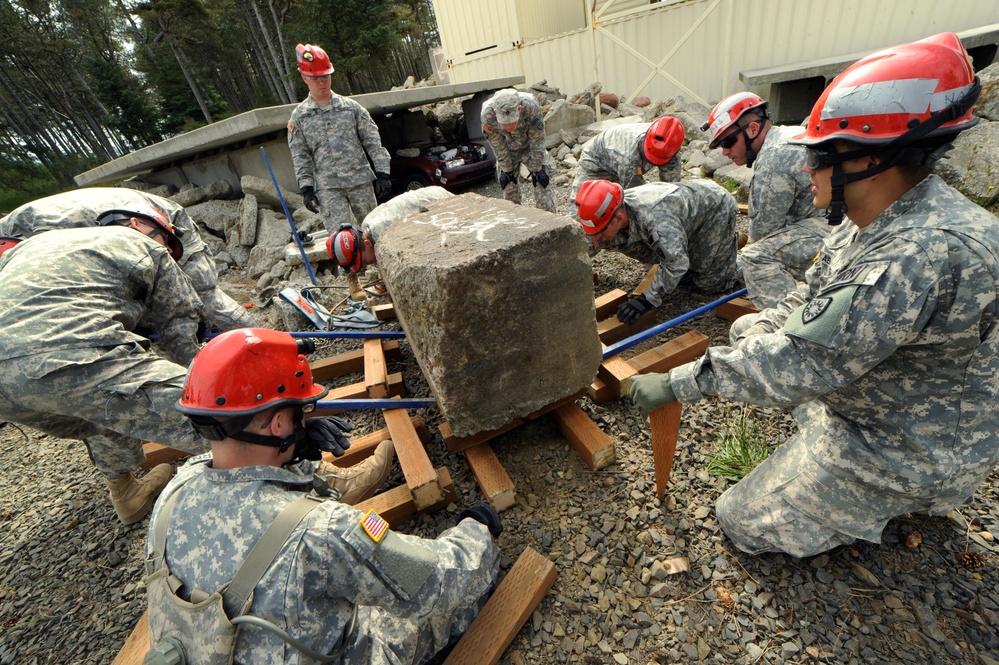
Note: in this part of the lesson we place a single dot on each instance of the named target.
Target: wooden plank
(611, 330)
(456, 444)
(383, 312)
(396, 506)
(592, 443)
(416, 466)
(350, 362)
(159, 454)
(679, 351)
(616, 373)
(600, 392)
(136, 645)
(646, 281)
(743, 208)
(506, 611)
(493, 479)
(359, 391)
(735, 308)
(665, 424)
(608, 303)
(364, 446)
(375, 372)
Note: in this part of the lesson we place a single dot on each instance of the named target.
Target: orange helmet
(7, 243)
(663, 140)
(157, 217)
(313, 61)
(596, 204)
(728, 111)
(345, 247)
(892, 92)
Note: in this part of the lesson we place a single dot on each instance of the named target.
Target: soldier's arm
(536, 141)
(301, 156)
(367, 131)
(173, 307)
(670, 247)
(771, 197)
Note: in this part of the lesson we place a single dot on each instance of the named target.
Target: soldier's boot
(133, 497)
(361, 481)
(357, 294)
(742, 240)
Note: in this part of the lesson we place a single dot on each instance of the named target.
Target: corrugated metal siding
(466, 26)
(539, 19)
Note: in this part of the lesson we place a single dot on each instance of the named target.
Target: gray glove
(650, 391)
(311, 200)
(506, 177)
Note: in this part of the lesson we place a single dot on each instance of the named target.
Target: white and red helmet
(345, 247)
(728, 111)
(596, 204)
(154, 216)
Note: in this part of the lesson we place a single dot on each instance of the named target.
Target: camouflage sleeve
(669, 242)
(536, 142)
(220, 309)
(771, 196)
(172, 305)
(671, 171)
(859, 318)
(367, 131)
(504, 158)
(301, 156)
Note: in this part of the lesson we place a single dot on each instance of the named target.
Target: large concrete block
(497, 302)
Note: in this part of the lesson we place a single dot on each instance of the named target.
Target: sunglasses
(729, 140)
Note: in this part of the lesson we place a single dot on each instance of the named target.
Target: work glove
(485, 514)
(541, 178)
(383, 185)
(650, 391)
(506, 177)
(632, 310)
(304, 237)
(324, 435)
(311, 200)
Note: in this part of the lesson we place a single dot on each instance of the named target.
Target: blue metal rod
(369, 404)
(635, 340)
(291, 222)
(339, 334)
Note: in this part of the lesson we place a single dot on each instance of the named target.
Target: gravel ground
(71, 584)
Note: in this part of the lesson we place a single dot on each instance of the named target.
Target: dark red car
(449, 165)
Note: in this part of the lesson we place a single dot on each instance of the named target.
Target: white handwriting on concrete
(490, 218)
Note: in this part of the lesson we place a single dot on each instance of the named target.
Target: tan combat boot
(361, 481)
(357, 294)
(133, 497)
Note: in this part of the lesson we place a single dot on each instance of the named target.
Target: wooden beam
(678, 351)
(646, 281)
(600, 392)
(608, 303)
(611, 330)
(397, 506)
(416, 466)
(616, 373)
(350, 362)
(592, 443)
(375, 372)
(665, 424)
(456, 444)
(136, 644)
(364, 446)
(493, 479)
(506, 611)
(359, 391)
(735, 308)
(383, 312)
(158, 454)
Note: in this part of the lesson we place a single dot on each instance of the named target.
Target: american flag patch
(374, 525)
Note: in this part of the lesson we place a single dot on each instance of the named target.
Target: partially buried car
(450, 165)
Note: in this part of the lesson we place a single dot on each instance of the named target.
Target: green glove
(650, 391)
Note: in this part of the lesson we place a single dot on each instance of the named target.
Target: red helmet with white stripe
(596, 203)
(728, 111)
(345, 247)
(313, 61)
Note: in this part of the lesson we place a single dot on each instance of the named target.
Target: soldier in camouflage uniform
(890, 350)
(785, 229)
(408, 596)
(70, 364)
(688, 228)
(625, 153)
(81, 207)
(334, 147)
(515, 128)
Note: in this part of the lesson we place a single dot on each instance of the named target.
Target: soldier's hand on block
(632, 310)
(650, 391)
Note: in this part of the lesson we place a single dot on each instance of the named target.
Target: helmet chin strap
(750, 153)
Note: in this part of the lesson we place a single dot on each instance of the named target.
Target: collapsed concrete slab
(497, 302)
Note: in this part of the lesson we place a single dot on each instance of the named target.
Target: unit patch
(374, 525)
(814, 309)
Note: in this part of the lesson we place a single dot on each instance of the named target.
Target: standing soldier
(515, 128)
(625, 153)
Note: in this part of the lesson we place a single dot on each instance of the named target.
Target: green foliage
(131, 109)
(22, 181)
(744, 444)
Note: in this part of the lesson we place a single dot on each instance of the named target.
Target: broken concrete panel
(267, 195)
(563, 115)
(273, 231)
(497, 303)
(259, 262)
(219, 189)
(248, 220)
(215, 215)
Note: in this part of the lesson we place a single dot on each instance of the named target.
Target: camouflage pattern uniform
(412, 595)
(396, 208)
(70, 366)
(330, 145)
(785, 229)
(79, 208)
(688, 228)
(617, 154)
(524, 145)
(894, 355)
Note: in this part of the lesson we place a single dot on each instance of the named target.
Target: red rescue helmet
(248, 370)
(345, 247)
(663, 140)
(313, 61)
(596, 204)
(892, 92)
(155, 217)
(728, 111)
(7, 244)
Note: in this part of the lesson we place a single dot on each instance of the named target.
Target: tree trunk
(182, 61)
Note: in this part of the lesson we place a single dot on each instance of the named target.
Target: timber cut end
(497, 303)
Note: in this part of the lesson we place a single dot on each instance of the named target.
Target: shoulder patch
(374, 525)
(291, 127)
(814, 308)
(819, 320)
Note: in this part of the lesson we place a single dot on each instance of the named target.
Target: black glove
(483, 513)
(305, 238)
(383, 185)
(541, 178)
(506, 177)
(324, 434)
(632, 310)
(311, 200)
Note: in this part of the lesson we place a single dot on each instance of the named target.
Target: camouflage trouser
(789, 503)
(347, 205)
(772, 265)
(114, 403)
(544, 199)
(220, 308)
